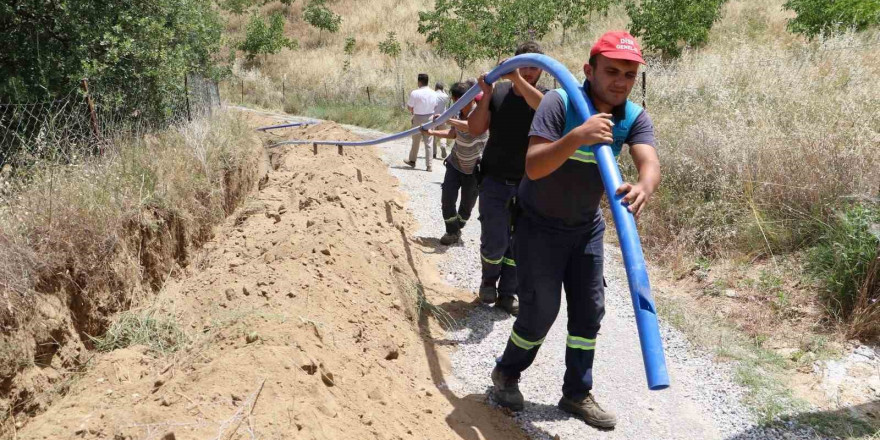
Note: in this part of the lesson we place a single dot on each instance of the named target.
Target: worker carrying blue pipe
(506, 111)
(609, 84)
(559, 226)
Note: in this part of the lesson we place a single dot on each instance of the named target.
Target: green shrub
(318, 15)
(843, 255)
(263, 39)
(816, 17)
(665, 24)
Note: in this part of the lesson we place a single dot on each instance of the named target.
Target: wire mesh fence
(84, 119)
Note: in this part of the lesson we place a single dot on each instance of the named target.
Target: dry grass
(86, 237)
(81, 223)
(757, 151)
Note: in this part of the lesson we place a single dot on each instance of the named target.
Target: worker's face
(530, 74)
(612, 80)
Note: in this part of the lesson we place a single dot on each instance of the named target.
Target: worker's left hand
(512, 76)
(636, 197)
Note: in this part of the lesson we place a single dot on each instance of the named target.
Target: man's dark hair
(423, 79)
(529, 47)
(593, 61)
(439, 85)
(459, 89)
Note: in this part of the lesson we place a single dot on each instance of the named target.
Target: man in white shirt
(442, 102)
(421, 104)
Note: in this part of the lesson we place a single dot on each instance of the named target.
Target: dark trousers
(453, 182)
(548, 259)
(499, 266)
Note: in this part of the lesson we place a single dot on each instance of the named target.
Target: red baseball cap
(619, 45)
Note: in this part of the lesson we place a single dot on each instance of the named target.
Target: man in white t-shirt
(442, 103)
(421, 104)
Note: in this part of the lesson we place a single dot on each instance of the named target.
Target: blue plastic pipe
(292, 124)
(630, 245)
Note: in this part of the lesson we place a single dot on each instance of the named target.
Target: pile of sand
(304, 315)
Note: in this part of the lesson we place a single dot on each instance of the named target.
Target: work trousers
(453, 182)
(418, 120)
(547, 260)
(499, 265)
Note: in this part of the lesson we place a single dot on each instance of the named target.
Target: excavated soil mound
(311, 315)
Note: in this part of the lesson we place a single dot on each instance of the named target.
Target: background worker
(421, 104)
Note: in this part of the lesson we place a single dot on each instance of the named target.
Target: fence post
(242, 91)
(644, 87)
(84, 84)
(207, 94)
(283, 97)
(369, 98)
(186, 91)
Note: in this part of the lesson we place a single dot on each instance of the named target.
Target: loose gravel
(702, 403)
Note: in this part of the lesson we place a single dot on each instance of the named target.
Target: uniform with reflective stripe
(620, 131)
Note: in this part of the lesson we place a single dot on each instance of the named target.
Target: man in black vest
(506, 110)
(559, 226)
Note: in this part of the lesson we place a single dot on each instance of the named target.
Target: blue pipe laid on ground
(633, 259)
(292, 124)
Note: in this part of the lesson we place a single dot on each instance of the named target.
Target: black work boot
(506, 392)
(450, 238)
(509, 304)
(488, 293)
(589, 410)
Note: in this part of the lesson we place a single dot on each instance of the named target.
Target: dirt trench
(47, 341)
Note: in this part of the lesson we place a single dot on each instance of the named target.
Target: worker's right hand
(596, 130)
(484, 86)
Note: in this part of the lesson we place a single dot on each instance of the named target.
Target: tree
(467, 30)
(456, 37)
(670, 25)
(349, 48)
(236, 7)
(239, 7)
(350, 44)
(262, 39)
(816, 17)
(391, 47)
(318, 15)
(575, 13)
(524, 20)
(137, 54)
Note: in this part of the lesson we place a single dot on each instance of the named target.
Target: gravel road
(702, 403)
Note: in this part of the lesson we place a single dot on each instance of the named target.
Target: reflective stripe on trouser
(499, 266)
(414, 150)
(547, 260)
(453, 182)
